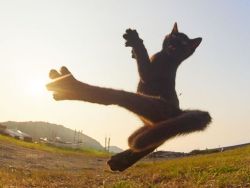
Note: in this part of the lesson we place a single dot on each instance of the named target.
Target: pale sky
(86, 36)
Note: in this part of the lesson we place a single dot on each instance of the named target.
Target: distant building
(15, 134)
(2, 128)
(166, 154)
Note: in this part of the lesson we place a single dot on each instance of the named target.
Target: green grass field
(64, 168)
(226, 169)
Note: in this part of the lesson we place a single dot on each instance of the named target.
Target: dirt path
(22, 167)
(12, 155)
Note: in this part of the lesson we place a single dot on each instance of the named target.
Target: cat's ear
(175, 29)
(195, 42)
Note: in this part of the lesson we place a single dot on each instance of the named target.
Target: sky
(86, 36)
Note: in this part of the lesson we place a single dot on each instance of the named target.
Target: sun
(36, 88)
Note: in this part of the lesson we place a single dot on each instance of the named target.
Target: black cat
(155, 102)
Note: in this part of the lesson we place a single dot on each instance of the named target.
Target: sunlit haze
(86, 36)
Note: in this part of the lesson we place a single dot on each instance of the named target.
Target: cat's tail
(188, 121)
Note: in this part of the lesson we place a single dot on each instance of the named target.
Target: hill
(115, 149)
(52, 131)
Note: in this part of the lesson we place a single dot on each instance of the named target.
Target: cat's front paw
(131, 37)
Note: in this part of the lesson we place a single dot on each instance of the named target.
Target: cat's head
(178, 45)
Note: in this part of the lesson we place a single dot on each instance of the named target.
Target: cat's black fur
(155, 102)
(157, 78)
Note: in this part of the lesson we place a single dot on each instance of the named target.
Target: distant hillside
(42, 129)
(115, 149)
(215, 150)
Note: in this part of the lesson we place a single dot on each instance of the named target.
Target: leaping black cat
(155, 102)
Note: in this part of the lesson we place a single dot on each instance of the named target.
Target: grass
(225, 169)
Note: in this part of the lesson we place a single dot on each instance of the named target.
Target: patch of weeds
(122, 184)
(225, 169)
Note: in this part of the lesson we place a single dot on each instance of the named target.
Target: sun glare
(36, 88)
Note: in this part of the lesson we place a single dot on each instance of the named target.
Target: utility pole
(108, 143)
(81, 137)
(78, 132)
(105, 146)
(75, 136)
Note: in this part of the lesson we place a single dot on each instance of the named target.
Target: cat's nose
(196, 42)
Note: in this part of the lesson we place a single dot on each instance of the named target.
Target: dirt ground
(15, 156)
(25, 167)
(22, 167)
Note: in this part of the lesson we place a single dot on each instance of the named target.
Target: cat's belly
(157, 89)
